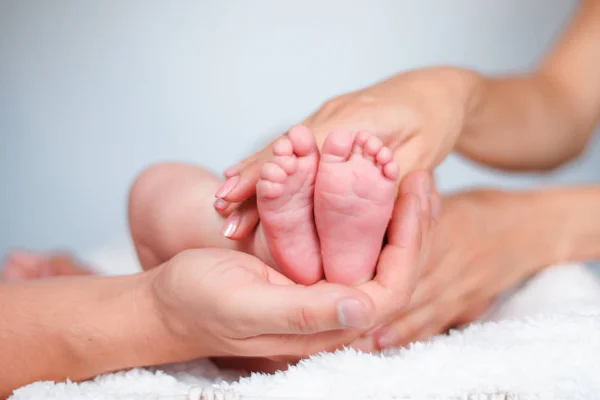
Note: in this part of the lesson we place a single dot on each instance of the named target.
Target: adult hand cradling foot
(198, 303)
(532, 122)
(305, 200)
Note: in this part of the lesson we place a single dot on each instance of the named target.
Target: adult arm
(76, 328)
(542, 120)
(487, 242)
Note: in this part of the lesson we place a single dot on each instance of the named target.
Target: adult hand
(219, 302)
(418, 114)
(486, 242)
(225, 303)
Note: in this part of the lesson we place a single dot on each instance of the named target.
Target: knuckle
(303, 320)
(331, 105)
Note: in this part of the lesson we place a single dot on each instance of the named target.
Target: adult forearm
(579, 233)
(76, 328)
(539, 121)
(563, 224)
(521, 123)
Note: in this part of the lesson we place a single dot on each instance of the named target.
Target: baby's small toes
(372, 146)
(361, 138)
(283, 147)
(384, 155)
(272, 172)
(302, 140)
(288, 163)
(391, 171)
(268, 189)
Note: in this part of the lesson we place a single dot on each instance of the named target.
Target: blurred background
(92, 92)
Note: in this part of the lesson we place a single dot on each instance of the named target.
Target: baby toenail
(227, 187)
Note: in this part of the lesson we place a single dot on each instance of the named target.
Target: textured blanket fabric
(540, 342)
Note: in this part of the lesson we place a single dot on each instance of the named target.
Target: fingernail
(220, 204)
(227, 187)
(231, 225)
(387, 338)
(352, 314)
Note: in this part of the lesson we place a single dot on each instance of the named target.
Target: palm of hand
(240, 306)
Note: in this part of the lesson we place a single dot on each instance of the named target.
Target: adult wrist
(121, 328)
(568, 220)
(475, 85)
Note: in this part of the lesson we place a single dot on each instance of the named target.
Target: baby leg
(171, 210)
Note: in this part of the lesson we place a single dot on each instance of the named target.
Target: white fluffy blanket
(541, 342)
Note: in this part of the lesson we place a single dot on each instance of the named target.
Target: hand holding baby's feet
(242, 307)
(340, 225)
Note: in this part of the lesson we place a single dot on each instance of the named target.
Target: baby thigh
(171, 210)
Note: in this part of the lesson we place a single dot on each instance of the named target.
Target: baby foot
(22, 265)
(284, 196)
(354, 198)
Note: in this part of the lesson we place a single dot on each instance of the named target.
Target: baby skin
(319, 215)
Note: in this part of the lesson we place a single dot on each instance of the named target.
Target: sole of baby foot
(284, 197)
(354, 199)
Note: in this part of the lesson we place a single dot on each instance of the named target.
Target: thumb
(297, 309)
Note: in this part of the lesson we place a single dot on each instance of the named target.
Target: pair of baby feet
(327, 214)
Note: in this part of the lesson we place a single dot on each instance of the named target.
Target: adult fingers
(421, 183)
(399, 261)
(418, 325)
(242, 221)
(242, 186)
(300, 310)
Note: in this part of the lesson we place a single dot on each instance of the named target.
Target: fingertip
(248, 220)
(355, 313)
(245, 187)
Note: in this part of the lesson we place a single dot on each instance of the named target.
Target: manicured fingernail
(387, 338)
(220, 204)
(231, 225)
(352, 314)
(227, 187)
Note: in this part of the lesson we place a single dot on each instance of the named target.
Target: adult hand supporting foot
(529, 122)
(202, 303)
(487, 242)
(418, 115)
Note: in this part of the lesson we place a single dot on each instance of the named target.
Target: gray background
(91, 92)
